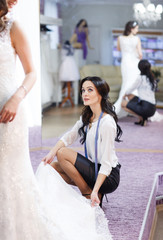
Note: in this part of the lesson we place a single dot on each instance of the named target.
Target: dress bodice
(128, 46)
(81, 36)
(7, 64)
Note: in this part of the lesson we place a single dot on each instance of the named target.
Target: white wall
(105, 15)
(27, 14)
(50, 87)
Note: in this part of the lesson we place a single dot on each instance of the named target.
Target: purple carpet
(141, 157)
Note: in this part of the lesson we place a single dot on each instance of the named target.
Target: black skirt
(142, 108)
(87, 170)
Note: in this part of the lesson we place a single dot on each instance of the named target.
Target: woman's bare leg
(66, 158)
(136, 115)
(124, 106)
(77, 45)
(58, 168)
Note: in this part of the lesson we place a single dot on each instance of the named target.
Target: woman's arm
(22, 49)
(73, 38)
(74, 43)
(139, 49)
(107, 133)
(94, 195)
(118, 44)
(67, 139)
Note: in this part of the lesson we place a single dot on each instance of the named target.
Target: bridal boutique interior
(137, 213)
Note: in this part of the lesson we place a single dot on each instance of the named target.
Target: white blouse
(143, 86)
(105, 146)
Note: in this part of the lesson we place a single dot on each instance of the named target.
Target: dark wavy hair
(3, 12)
(145, 69)
(107, 107)
(80, 21)
(129, 25)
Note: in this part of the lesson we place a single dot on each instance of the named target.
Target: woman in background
(143, 106)
(80, 38)
(130, 46)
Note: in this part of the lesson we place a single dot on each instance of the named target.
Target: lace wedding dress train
(73, 212)
(45, 208)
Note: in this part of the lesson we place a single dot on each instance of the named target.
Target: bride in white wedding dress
(45, 208)
(130, 46)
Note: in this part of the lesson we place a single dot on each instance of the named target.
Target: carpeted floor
(141, 156)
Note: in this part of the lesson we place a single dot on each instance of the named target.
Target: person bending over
(143, 106)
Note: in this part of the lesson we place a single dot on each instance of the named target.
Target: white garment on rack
(68, 70)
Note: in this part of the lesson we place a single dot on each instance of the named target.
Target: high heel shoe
(102, 195)
(142, 122)
(138, 123)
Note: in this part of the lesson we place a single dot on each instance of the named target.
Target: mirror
(105, 21)
(104, 27)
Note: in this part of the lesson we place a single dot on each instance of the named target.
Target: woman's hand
(49, 157)
(9, 110)
(125, 97)
(94, 199)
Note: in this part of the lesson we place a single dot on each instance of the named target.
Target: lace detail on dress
(8, 83)
(4, 35)
(73, 212)
(102, 224)
(22, 212)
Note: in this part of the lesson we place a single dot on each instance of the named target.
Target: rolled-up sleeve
(71, 136)
(107, 139)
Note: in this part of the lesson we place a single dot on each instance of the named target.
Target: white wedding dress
(130, 72)
(129, 69)
(42, 208)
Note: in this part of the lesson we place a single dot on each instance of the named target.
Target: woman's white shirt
(143, 86)
(105, 146)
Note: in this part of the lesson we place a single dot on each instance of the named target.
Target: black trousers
(87, 170)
